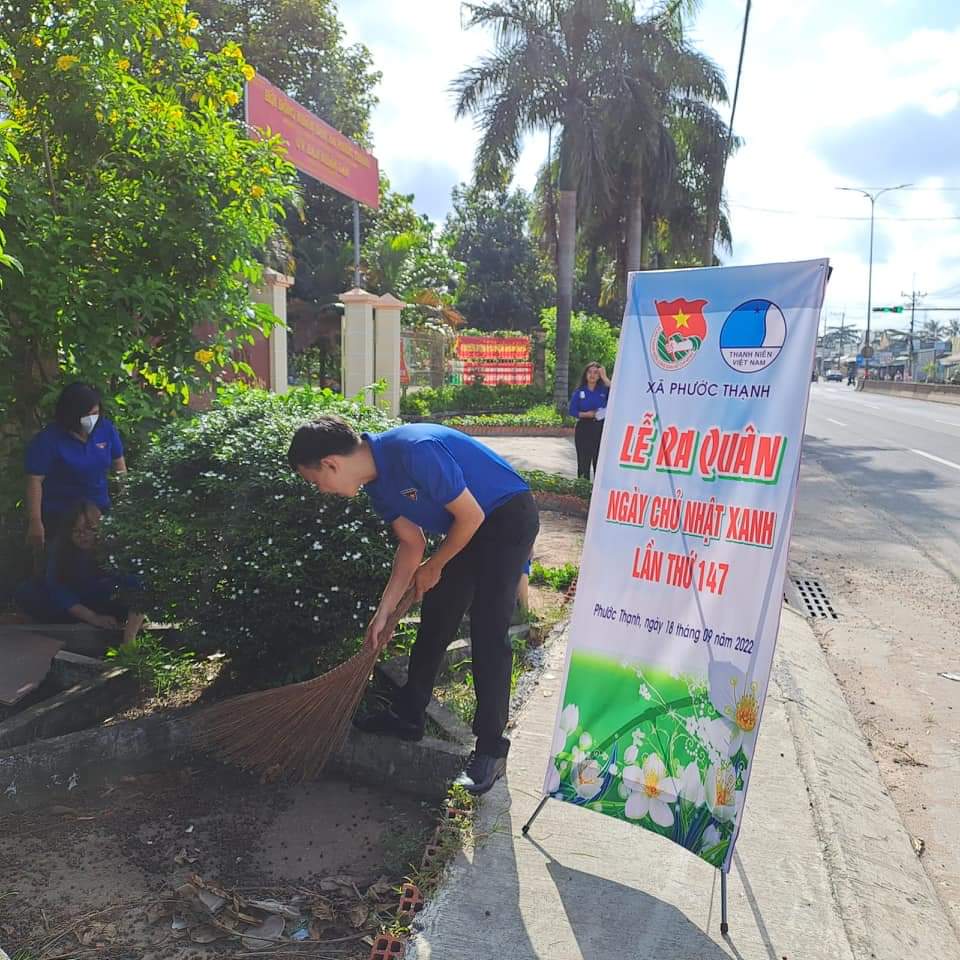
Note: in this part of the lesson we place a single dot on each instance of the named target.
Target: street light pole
(872, 196)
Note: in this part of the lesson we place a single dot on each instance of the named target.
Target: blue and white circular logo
(753, 335)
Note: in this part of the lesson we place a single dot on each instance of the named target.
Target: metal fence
(423, 358)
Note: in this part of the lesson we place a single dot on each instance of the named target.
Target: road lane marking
(930, 456)
(949, 423)
(837, 422)
(875, 406)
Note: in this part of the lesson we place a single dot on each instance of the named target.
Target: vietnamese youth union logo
(683, 328)
(753, 335)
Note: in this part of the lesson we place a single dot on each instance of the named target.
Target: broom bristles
(294, 729)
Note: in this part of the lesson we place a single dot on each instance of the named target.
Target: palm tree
(953, 327)
(665, 143)
(557, 63)
(934, 330)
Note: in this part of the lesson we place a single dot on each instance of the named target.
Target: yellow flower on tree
(248, 72)
(193, 23)
(203, 356)
(123, 63)
(37, 42)
(233, 50)
(231, 97)
(66, 61)
(256, 191)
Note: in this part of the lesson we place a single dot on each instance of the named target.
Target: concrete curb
(82, 704)
(49, 769)
(492, 430)
(884, 896)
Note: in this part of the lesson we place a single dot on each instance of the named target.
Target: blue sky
(834, 93)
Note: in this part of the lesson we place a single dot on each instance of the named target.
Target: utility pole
(840, 341)
(914, 296)
(872, 196)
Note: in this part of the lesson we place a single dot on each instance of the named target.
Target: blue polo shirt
(584, 399)
(73, 469)
(423, 466)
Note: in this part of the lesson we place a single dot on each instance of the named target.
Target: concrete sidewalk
(823, 870)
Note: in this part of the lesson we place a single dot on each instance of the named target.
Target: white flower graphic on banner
(568, 722)
(739, 702)
(711, 837)
(691, 787)
(651, 790)
(723, 798)
(588, 779)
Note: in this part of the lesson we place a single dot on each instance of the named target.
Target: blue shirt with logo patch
(73, 469)
(421, 467)
(584, 399)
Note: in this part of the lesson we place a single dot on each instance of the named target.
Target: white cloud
(813, 69)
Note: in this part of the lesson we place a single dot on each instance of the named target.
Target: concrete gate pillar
(357, 346)
(387, 350)
(273, 292)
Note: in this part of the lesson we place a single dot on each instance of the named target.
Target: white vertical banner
(681, 577)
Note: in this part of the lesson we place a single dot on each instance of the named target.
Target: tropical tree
(953, 327)
(8, 152)
(838, 339)
(933, 329)
(506, 282)
(555, 64)
(300, 46)
(138, 209)
(403, 255)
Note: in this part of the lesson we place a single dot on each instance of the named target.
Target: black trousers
(482, 578)
(586, 438)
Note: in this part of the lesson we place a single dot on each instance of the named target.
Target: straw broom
(292, 731)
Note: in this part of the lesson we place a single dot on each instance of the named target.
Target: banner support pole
(534, 815)
(724, 926)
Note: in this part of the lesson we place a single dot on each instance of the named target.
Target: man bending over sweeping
(427, 477)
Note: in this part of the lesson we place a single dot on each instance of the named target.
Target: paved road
(878, 523)
(902, 454)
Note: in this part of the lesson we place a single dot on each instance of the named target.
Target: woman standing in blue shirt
(589, 405)
(68, 461)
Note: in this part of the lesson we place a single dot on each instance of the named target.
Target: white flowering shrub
(237, 550)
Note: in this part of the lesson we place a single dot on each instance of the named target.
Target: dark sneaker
(385, 722)
(481, 773)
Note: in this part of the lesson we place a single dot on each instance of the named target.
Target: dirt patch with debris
(560, 541)
(110, 875)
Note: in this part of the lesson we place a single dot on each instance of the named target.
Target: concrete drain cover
(809, 596)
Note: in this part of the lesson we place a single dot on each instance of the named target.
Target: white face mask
(88, 423)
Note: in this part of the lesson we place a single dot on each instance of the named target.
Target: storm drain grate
(814, 598)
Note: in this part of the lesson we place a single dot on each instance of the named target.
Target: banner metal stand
(724, 925)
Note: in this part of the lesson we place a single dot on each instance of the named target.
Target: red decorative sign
(313, 146)
(492, 374)
(492, 348)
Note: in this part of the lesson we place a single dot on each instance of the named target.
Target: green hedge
(542, 415)
(237, 550)
(541, 482)
(471, 397)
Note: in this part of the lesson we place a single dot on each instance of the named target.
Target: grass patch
(163, 670)
(456, 691)
(542, 482)
(559, 578)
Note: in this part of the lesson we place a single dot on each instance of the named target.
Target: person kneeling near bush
(74, 587)
(419, 477)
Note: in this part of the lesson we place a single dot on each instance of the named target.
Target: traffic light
(888, 309)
